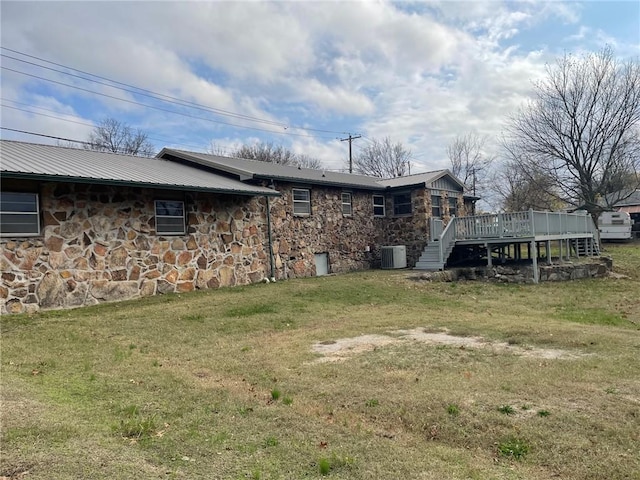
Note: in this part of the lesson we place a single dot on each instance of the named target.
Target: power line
(166, 110)
(155, 95)
(163, 140)
(47, 136)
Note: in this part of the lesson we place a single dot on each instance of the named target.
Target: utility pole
(350, 139)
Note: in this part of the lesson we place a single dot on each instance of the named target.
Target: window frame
(348, 204)
(383, 205)
(397, 206)
(299, 202)
(436, 206)
(453, 206)
(35, 214)
(183, 217)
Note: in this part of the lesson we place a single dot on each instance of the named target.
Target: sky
(304, 75)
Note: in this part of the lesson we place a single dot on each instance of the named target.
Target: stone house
(80, 227)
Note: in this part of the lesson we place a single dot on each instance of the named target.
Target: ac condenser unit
(394, 257)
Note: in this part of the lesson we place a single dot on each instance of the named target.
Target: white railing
(447, 238)
(523, 224)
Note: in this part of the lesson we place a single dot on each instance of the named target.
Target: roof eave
(102, 181)
(308, 181)
(243, 175)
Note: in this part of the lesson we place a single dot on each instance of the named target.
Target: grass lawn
(225, 384)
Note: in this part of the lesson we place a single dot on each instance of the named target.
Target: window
(19, 214)
(402, 204)
(346, 204)
(453, 206)
(378, 206)
(436, 206)
(170, 217)
(301, 201)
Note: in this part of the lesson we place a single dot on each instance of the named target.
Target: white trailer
(614, 226)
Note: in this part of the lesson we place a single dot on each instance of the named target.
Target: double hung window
(347, 208)
(378, 206)
(301, 201)
(436, 206)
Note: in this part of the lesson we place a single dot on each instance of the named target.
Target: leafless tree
(383, 158)
(581, 130)
(267, 152)
(111, 135)
(469, 162)
(517, 190)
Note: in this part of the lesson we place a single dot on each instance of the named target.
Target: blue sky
(299, 74)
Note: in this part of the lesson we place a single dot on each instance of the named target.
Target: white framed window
(453, 206)
(402, 203)
(379, 207)
(301, 201)
(19, 214)
(436, 206)
(347, 208)
(170, 217)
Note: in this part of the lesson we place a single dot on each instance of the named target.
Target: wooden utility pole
(350, 139)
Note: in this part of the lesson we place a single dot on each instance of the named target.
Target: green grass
(181, 386)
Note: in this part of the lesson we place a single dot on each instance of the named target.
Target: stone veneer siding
(351, 242)
(98, 243)
(413, 230)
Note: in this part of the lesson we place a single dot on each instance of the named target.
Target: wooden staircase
(430, 258)
(583, 247)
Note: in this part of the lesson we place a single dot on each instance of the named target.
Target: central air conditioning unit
(394, 257)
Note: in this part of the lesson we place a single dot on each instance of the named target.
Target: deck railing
(447, 238)
(523, 224)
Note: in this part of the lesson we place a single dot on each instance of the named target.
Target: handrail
(522, 224)
(447, 237)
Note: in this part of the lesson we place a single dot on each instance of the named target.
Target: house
(340, 218)
(630, 204)
(79, 227)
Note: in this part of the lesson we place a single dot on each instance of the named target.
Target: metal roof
(253, 169)
(425, 178)
(47, 162)
(624, 198)
(246, 169)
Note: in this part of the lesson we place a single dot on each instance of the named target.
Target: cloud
(420, 73)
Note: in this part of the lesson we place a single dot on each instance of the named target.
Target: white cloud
(420, 73)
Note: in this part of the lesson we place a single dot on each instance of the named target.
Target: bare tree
(383, 158)
(518, 190)
(111, 135)
(267, 152)
(581, 130)
(469, 162)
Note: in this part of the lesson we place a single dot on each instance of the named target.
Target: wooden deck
(504, 233)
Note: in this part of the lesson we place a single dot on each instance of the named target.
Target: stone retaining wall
(594, 267)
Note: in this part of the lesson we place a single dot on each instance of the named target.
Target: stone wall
(413, 230)
(591, 267)
(351, 242)
(98, 244)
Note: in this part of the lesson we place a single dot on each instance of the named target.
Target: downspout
(269, 236)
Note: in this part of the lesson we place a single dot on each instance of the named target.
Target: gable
(446, 183)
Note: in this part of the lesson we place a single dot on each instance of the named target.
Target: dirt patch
(343, 348)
